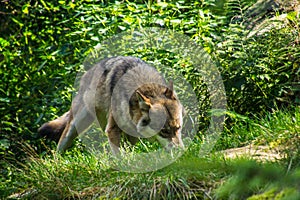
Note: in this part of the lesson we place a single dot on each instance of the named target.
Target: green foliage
(253, 181)
(44, 44)
(262, 71)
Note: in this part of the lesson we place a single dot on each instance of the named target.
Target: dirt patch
(262, 153)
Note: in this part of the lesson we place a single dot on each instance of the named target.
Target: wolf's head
(161, 116)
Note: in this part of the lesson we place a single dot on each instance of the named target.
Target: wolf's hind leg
(76, 124)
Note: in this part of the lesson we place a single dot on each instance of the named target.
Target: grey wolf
(126, 96)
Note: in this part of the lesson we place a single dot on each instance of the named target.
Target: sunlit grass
(84, 175)
(274, 128)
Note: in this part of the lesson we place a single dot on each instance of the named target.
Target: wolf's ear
(144, 102)
(169, 93)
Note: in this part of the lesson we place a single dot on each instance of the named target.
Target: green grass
(78, 175)
(82, 175)
(274, 128)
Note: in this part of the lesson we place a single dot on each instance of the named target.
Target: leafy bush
(262, 69)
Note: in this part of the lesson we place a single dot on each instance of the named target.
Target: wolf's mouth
(165, 133)
(169, 132)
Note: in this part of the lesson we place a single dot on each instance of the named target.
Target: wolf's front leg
(77, 123)
(114, 135)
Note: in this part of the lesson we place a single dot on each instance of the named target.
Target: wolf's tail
(54, 129)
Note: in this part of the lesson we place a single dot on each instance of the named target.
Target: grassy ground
(81, 175)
